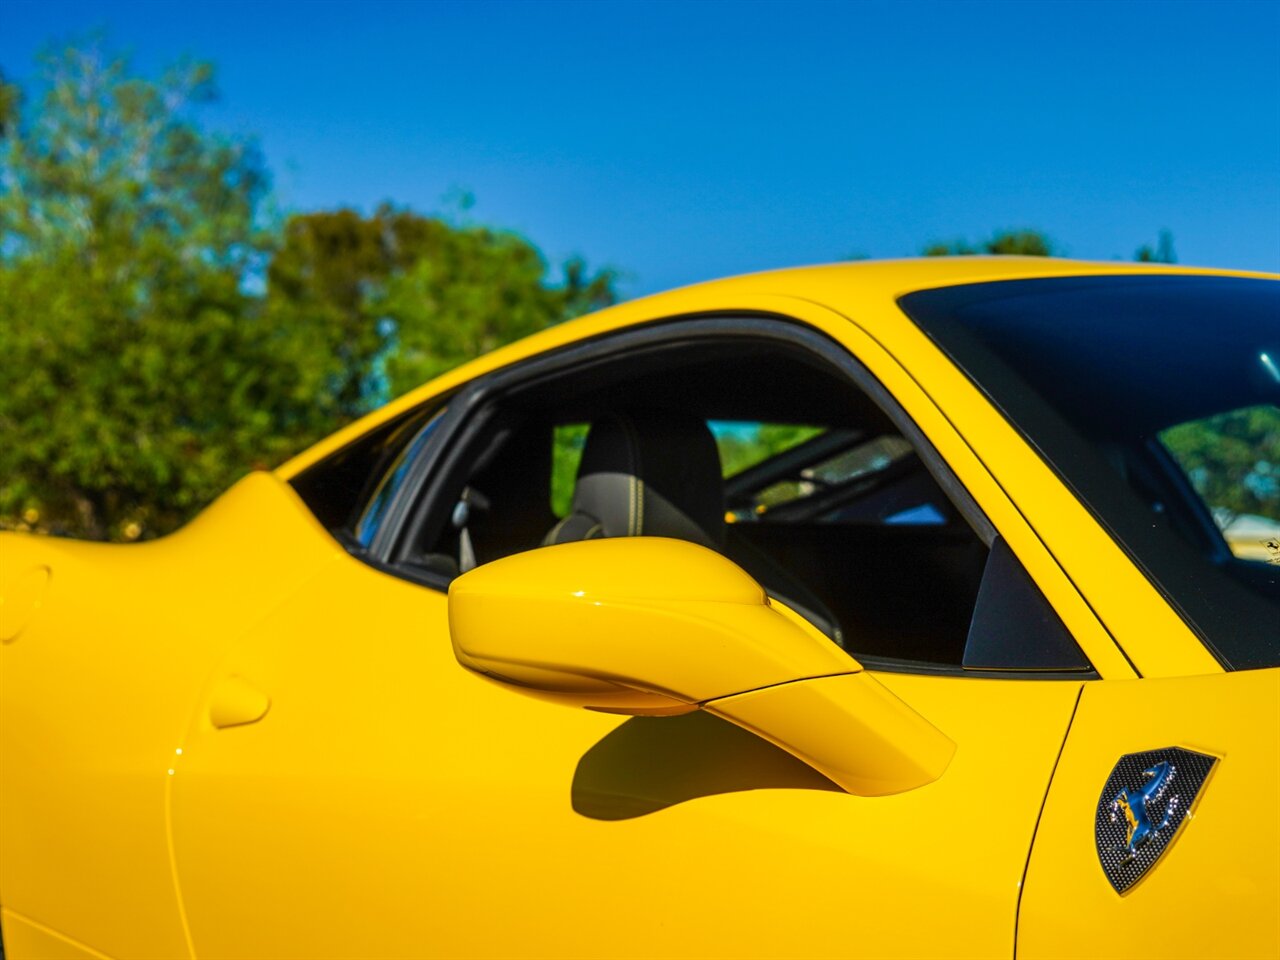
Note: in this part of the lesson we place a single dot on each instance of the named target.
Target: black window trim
(440, 466)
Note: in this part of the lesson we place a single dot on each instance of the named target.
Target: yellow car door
(347, 788)
(389, 803)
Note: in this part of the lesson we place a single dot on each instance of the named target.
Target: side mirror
(653, 627)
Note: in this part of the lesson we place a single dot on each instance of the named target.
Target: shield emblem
(1146, 800)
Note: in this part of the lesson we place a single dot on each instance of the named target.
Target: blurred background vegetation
(164, 328)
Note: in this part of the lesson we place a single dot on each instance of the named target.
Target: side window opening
(338, 488)
(744, 445)
(568, 439)
(787, 468)
(832, 480)
(1013, 626)
(402, 448)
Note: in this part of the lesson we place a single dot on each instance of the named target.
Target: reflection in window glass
(375, 510)
(568, 441)
(1233, 462)
(861, 460)
(870, 457)
(743, 445)
(839, 477)
(1094, 371)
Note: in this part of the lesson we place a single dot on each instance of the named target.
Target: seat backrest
(654, 474)
(658, 475)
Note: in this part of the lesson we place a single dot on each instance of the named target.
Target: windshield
(1157, 399)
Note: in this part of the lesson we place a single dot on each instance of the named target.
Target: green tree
(9, 99)
(319, 284)
(397, 298)
(137, 384)
(142, 373)
(1022, 243)
(1232, 459)
(1161, 253)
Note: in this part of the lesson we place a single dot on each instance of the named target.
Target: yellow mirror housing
(650, 626)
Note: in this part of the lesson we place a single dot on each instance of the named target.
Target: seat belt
(471, 501)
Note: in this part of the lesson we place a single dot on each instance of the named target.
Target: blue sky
(684, 141)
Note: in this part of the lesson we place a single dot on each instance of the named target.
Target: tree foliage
(1021, 243)
(160, 334)
(1162, 252)
(135, 388)
(397, 298)
(1232, 459)
(142, 372)
(1035, 243)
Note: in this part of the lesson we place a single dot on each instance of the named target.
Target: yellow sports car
(905, 609)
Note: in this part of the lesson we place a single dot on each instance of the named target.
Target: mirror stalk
(850, 728)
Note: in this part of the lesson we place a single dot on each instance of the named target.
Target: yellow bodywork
(242, 741)
(661, 627)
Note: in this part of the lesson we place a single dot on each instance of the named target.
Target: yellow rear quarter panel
(96, 691)
(1216, 890)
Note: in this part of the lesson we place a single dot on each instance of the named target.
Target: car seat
(657, 474)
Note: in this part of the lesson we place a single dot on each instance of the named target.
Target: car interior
(763, 452)
(843, 547)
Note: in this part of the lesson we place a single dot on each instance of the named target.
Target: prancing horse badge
(1145, 801)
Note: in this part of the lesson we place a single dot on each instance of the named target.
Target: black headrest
(651, 474)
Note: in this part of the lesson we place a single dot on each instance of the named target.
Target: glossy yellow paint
(95, 693)
(848, 727)
(236, 701)
(646, 626)
(393, 804)
(628, 624)
(24, 938)
(22, 600)
(1215, 892)
(387, 802)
